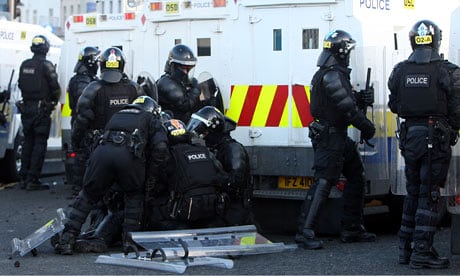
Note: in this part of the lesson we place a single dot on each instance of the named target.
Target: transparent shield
(452, 186)
(375, 153)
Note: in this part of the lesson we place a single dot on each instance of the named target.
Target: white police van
(15, 41)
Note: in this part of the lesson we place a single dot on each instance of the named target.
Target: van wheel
(11, 163)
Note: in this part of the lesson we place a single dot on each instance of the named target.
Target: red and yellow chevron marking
(66, 111)
(266, 105)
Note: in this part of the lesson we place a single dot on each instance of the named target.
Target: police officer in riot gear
(190, 194)
(133, 136)
(334, 108)
(85, 72)
(40, 90)
(425, 91)
(178, 93)
(103, 98)
(215, 128)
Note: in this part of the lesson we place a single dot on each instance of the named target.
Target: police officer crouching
(132, 136)
(40, 93)
(215, 128)
(425, 91)
(190, 194)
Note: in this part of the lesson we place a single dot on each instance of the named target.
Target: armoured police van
(263, 55)
(452, 188)
(15, 41)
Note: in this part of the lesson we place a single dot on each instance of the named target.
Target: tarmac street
(22, 212)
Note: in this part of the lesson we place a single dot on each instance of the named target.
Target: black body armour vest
(420, 94)
(33, 84)
(194, 168)
(111, 99)
(128, 120)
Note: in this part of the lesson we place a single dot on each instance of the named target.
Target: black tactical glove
(366, 127)
(367, 130)
(453, 137)
(365, 97)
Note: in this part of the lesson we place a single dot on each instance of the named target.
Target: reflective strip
(266, 105)
(66, 111)
(301, 116)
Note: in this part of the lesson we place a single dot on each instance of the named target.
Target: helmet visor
(197, 125)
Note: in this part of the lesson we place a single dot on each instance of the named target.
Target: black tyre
(11, 163)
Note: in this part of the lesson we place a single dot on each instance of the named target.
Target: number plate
(291, 182)
(172, 7)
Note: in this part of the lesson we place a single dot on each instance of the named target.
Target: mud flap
(51, 228)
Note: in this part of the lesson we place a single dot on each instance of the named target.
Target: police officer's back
(176, 92)
(215, 128)
(103, 98)
(132, 136)
(425, 91)
(40, 93)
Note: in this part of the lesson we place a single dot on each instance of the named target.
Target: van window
(177, 41)
(204, 47)
(310, 38)
(277, 40)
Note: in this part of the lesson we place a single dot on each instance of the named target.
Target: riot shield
(147, 82)
(209, 89)
(51, 228)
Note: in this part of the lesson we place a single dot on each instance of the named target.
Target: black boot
(405, 251)
(307, 240)
(356, 233)
(76, 217)
(425, 256)
(313, 202)
(66, 243)
(35, 185)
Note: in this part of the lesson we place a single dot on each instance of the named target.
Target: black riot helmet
(425, 33)
(177, 132)
(112, 62)
(40, 45)
(425, 40)
(181, 58)
(206, 120)
(337, 46)
(146, 103)
(88, 57)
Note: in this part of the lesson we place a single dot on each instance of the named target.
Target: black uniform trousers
(426, 171)
(36, 126)
(110, 163)
(334, 154)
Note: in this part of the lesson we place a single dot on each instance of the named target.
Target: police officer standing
(425, 91)
(334, 108)
(132, 136)
(40, 92)
(103, 98)
(215, 128)
(85, 72)
(177, 93)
